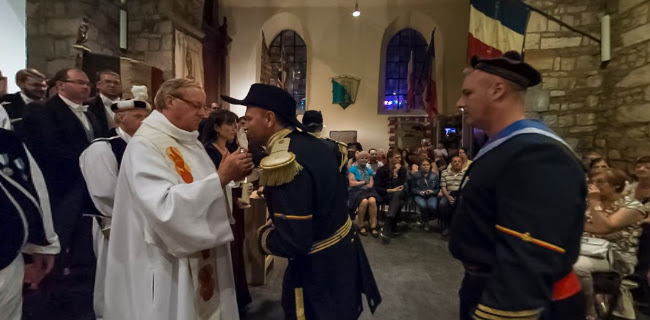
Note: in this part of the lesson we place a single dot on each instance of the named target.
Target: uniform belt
(341, 233)
(566, 287)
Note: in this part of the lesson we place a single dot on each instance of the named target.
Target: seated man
(449, 186)
(389, 183)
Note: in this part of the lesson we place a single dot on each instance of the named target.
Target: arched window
(289, 62)
(401, 47)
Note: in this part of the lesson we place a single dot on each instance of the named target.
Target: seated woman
(616, 218)
(598, 165)
(362, 195)
(425, 186)
(219, 134)
(640, 190)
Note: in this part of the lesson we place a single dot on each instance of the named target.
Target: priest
(169, 253)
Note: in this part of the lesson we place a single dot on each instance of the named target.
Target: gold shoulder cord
(280, 166)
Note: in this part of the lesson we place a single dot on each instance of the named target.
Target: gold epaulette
(343, 149)
(280, 166)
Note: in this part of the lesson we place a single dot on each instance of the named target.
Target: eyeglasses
(78, 82)
(192, 104)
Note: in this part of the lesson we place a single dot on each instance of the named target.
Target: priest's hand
(35, 272)
(235, 166)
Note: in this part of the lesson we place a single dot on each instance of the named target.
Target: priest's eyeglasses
(192, 104)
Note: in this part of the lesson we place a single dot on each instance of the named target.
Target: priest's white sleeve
(180, 218)
(44, 199)
(99, 168)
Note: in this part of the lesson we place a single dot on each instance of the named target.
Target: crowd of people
(138, 200)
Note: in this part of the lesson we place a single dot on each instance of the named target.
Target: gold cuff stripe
(264, 236)
(528, 238)
(288, 217)
(534, 313)
(341, 233)
(486, 316)
(300, 304)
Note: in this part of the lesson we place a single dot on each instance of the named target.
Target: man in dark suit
(56, 132)
(32, 88)
(109, 91)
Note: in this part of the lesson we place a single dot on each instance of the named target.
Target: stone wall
(602, 109)
(569, 63)
(52, 31)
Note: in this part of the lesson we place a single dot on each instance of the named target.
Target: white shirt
(169, 222)
(110, 115)
(99, 168)
(26, 99)
(79, 111)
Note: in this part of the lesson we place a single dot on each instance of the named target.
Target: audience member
(449, 187)
(109, 91)
(171, 231)
(598, 165)
(32, 88)
(57, 131)
(374, 163)
(390, 184)
(464, 156)
(425, 186)
(25, 226)
(3, 84)
(440, 152)
(381, 156)
(353, 149)
(100, 166)
(590, 156)
(640, 190)
(615, 217)
(362, 196)
(425, 146)
(218, 135)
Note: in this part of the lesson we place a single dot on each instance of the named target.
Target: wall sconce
(356, 12)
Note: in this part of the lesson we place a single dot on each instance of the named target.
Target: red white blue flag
(496, 26)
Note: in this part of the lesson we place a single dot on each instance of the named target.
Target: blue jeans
(427, 206)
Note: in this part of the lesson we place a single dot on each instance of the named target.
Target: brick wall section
(52, 31)
(606, 110)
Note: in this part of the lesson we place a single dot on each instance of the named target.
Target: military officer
(520, 214)
(305, 193)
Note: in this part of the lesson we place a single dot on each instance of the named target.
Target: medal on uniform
(20, 164)
(8, 171)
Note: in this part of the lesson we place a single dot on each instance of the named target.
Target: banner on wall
(188, 57)
(496, 26)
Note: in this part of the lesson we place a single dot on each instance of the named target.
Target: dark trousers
(395, 202)
(572, 308)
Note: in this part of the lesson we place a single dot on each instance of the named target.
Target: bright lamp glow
(356, 12)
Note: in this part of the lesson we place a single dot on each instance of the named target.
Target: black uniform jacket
(519, 222)
(326, 284)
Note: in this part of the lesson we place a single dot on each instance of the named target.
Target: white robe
(161, 228)
(11, 277)
(99, 168)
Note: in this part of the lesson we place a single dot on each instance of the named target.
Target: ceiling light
(356, 12)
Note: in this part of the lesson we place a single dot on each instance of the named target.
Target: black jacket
(519, 220)
(384, 179)
(96, 106)
(56, 138)
(309, 209)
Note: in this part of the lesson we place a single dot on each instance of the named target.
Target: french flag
(496, 26)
